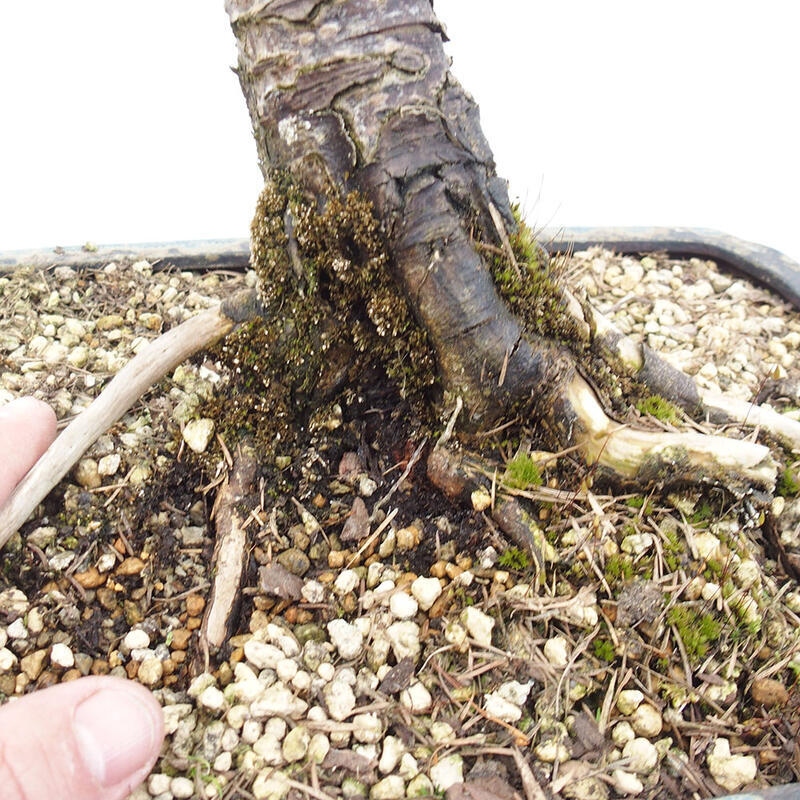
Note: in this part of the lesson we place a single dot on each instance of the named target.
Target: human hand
(96, 738)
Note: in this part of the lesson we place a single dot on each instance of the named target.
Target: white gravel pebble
(197, 434)
(158, 783)
(17, 629)
(641, 754)
(278, 701)
(501, 708)
(416, 698)
(447, 771)
(270, 785)
(629, 700)
(730, 771)
(404, 639)
(339, 699)
(393, 750)
(426, 591)
(286, 669)
(392, 787)
(262, 655)
(646, 721)
(181, 787)
(295, 744)
(212, 699)
(7, 659)
(346, 582)
(318, 748)
(626, 782)
(403, 605)
(478, 624)
(346, 637)
(367, 728)
(556, 651)
(62, 656)
(135, 639)
(420, 786)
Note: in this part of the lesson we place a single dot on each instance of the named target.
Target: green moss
(640, 502)
(697, 630)
(619, 567)
(674, 550)
(788, 484)
(514, 558)
(656, 406)
(604, 650)
(702, 514)
(531, 286)
(522, 472)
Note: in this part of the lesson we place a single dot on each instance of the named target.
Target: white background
(121, 121)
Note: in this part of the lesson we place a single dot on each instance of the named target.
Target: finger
(94, 738)
(27, 427)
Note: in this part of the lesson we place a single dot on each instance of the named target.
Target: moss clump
(604, 650)
(702, 515)
(659, 408)
(332, 311)
(522, 472)
(530, 286)
(674, 550)
(619, 567)
(698, 631)
(788, 484)
(514, 558)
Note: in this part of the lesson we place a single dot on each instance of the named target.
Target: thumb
(95, 738)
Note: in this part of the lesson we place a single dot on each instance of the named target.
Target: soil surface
(647, 646)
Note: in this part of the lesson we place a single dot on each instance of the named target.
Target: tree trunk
(356, 96)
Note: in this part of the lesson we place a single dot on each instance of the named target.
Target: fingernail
(117, 734)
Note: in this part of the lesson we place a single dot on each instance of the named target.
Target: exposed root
(230, 551)
(657, 457)
(630, 357)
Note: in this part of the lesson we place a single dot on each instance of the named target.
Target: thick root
(660, 458)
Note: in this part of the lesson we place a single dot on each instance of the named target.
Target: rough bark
(356, 95)
(359, 96)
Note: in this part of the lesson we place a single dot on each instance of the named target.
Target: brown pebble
(319, 501)
(178, 656)
(180, 639)
(438, 569)
(100, 667)
(768, 692)
(408, 538)
(195, 604)
(8, 684)
(236, 656)
(193, 623)
(452, 571)
(169, 666)
(107, 598)
(91, 579)
(33, 663)
(47, 678)
(71, 675)
(464, 562)
(440, 605)
(338, 558)
(131, 566)
(349, 603)
(132, 668)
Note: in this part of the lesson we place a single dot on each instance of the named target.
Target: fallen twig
(128, 385)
